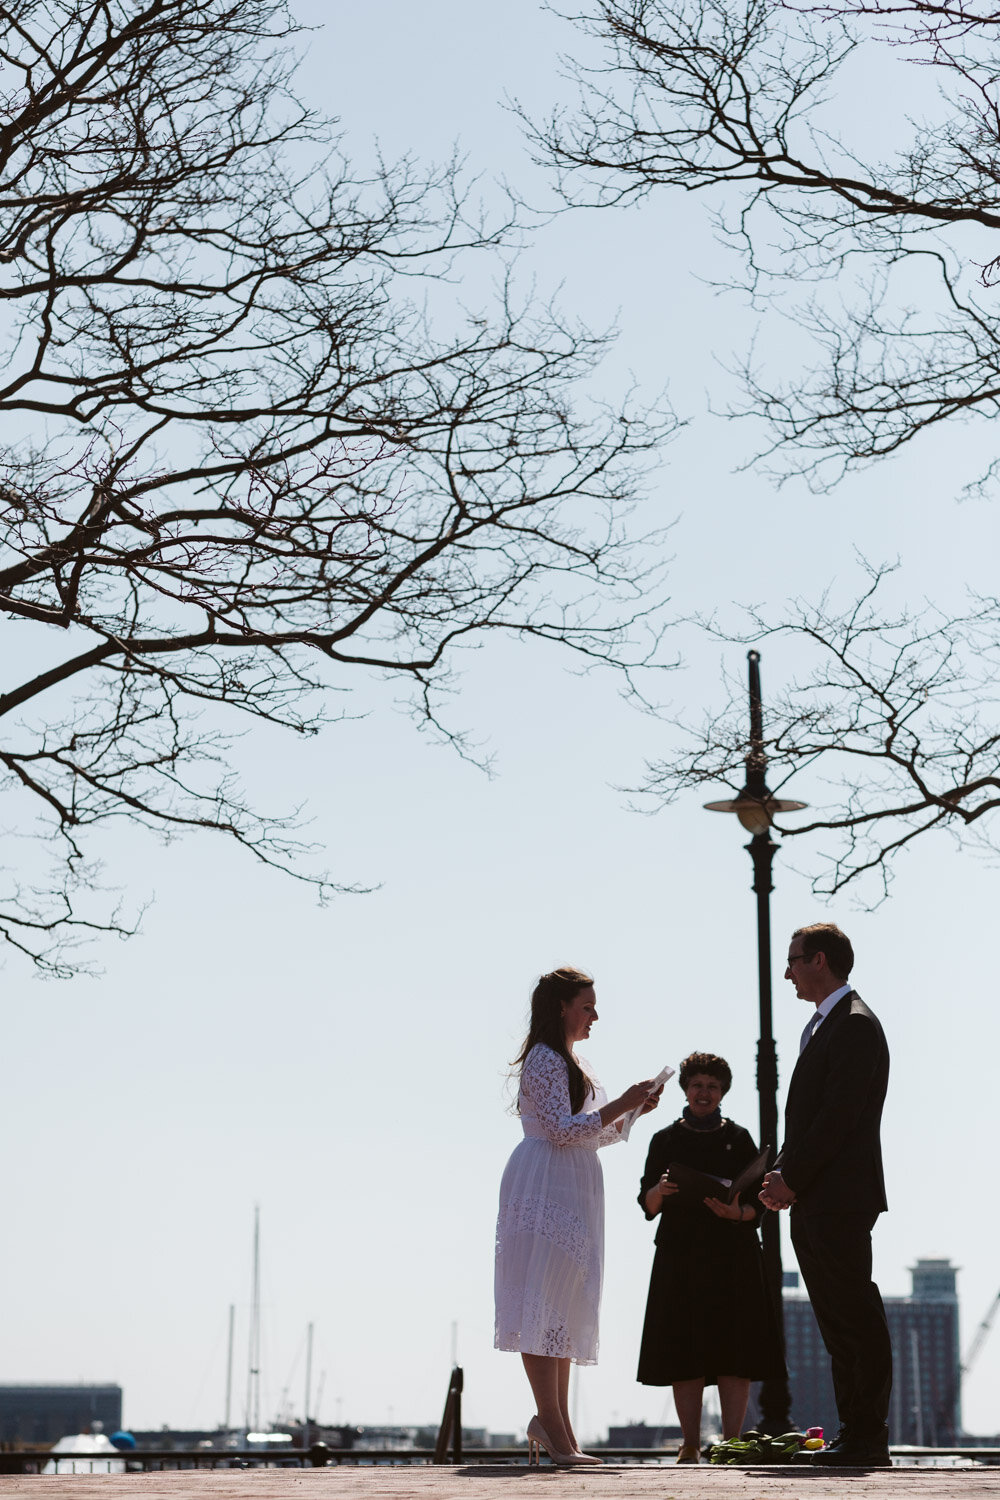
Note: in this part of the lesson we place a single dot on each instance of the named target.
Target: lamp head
(756, 813)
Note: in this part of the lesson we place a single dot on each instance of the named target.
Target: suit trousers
(835, 1256)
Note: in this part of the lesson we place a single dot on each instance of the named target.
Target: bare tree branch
(747, 100)
(240, 463)
(897, 724)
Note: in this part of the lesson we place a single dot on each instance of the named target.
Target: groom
(829, 1172)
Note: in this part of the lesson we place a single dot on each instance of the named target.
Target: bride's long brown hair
(550, 994)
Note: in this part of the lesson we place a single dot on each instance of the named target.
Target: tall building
(926, 1392)
(32, 1414)
(926, 1378)
(813, 1403)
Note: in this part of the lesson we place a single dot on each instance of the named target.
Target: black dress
(708, 1312)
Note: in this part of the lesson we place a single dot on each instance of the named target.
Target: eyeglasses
(794, 958)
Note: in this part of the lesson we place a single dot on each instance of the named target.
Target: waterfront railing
(34, 1461)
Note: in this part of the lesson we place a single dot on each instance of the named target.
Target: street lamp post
(755, 807)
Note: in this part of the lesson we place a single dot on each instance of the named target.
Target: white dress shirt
(822, 1011)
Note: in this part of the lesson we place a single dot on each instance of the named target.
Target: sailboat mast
(229, 1367)
(253, 1344)
(309, 1375)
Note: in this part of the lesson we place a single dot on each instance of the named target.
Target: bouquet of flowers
(753, 1447)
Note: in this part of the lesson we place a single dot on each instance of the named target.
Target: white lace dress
(550, 1229)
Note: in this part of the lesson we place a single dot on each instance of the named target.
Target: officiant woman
(708, 1315)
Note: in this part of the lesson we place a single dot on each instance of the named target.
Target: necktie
(808, 1032)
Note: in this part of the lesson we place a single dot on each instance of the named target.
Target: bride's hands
(640, 1096)
(653, 1100)
(639, 1093)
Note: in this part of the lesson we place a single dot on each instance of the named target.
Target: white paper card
(629, 1120)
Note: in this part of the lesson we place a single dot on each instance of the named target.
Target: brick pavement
(517, 1482)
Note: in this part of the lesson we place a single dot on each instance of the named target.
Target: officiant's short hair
(706, 1062)
(826, 937)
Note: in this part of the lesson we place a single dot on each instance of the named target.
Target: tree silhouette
(897, 720)
(875, 254)
(886, 258)
(252, 448)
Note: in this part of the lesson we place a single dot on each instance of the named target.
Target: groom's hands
(775, 1192)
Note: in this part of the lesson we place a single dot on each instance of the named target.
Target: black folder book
(695, 1184)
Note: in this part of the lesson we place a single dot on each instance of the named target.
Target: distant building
(638, 1435)
(164, 1439)
(389, 1438)
(33, 1414)
(926, 1397)
(926, 1383)
(813, 1403)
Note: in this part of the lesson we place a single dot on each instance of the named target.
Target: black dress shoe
(854, 1454)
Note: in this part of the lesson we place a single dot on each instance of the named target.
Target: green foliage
(757, 1448)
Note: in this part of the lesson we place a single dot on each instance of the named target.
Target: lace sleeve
(609, 1136)
(546, 1082)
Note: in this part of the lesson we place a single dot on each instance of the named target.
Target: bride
(550, 1229)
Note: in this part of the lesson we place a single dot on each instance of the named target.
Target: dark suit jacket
(832, 1156)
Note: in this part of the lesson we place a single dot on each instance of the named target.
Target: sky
(347, 1068)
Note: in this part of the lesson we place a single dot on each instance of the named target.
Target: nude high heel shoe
(587, 1458)
(538, 1438)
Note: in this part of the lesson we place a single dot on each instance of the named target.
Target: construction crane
(971, 1355)
(982, 1334)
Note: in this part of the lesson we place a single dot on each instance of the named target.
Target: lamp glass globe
(754, 816)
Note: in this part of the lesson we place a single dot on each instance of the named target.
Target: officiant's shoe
(689, 1454)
